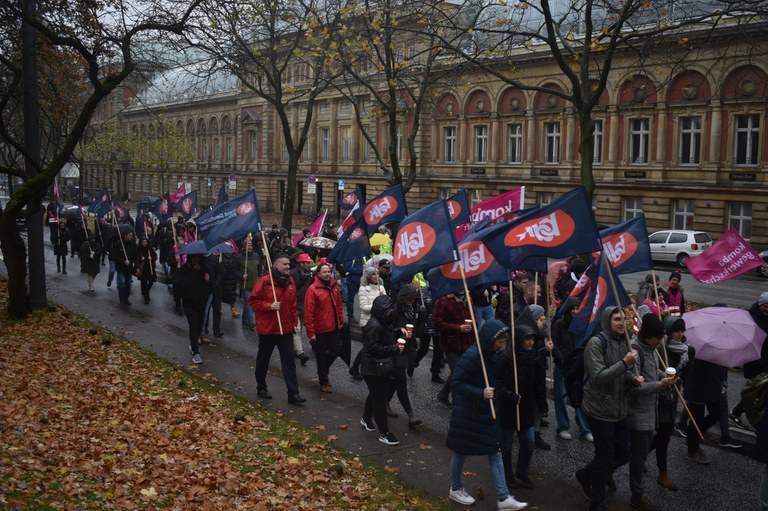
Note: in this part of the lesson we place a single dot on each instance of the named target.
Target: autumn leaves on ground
(89, 421)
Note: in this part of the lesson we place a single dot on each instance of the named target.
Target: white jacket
(365, 297)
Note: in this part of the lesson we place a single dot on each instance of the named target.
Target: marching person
(405, 313)
(60, 240)
(368, 291)
(90, 255)
(275, 307)
(146, 271)
(250, 267)
(302, 277)
(607, 364)
(472, 430)
(192, 282)
(124, 254)
(454, 327)
(323, 320)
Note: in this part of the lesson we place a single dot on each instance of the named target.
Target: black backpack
(574, 375)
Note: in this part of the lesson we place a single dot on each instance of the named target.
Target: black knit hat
(651, 327)
(675, 274)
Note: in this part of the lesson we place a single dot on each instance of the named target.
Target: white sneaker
(462, 497)
(197, 359)
(511, 503)
(565, 435)
(588, 437)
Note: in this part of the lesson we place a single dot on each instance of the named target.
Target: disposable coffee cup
(409, 328)
(671, 371)
(467, 321)
(401, 342)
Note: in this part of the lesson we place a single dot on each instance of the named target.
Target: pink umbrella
(724, 336)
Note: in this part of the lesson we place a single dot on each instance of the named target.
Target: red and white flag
(728, 257)
(314, 229)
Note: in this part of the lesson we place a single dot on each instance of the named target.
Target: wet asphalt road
(731, 482)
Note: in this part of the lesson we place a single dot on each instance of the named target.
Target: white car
(677, 246)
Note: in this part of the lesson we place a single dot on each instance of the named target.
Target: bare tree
(282, 51)
(85, 49)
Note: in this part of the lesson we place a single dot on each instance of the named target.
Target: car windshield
(701, 237)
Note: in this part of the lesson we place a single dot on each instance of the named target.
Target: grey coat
(643, 399)
(608, 379)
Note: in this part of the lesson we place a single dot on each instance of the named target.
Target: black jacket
(379, 338)
(192, 286)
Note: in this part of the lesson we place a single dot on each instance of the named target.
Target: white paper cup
(671, 371)
(401, 342)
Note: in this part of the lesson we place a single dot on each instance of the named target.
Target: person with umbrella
(273, 300)
(90, 253)
(60, 240)
(323, 320)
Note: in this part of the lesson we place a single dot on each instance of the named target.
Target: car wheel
(764, 270)
(681, 259)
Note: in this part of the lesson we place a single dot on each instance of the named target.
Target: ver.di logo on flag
(549, 231)
(414, 241)
(245, 208)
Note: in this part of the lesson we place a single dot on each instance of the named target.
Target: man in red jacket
(323, 319)
(273, 300)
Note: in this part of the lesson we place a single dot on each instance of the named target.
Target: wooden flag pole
(682, 400)
(514, 350)
(477, 334)
(119, 235)
(656, 292)
(618, 305)
(247, 242)
(550, 358)
(271, 280)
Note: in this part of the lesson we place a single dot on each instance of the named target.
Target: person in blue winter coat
(473, 431)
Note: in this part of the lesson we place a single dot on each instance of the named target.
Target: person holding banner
(473, 430)
(273, 300)
(90, 253)
(146, 271)
(607, 364)
(323, 320)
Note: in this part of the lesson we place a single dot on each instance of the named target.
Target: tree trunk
(15, 258)
(586, 152)
(290, 189)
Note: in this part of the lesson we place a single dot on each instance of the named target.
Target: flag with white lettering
(233, 219)
(180, 192)
(480, 268)
(565, 227)
(102, 205)
(314, 229)
(728, 257)
(493, 208)
(187, 205)
(458, 207)
(353, 244)
(352, 199)
(422, 241)
(626, 246)
(599, 296)
(388, 206)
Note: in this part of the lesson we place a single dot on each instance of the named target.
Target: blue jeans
(124, 286)
(483, 314)
(111, 271)
(561, 411)
(248, 316)
(497, 473)
(524, 453)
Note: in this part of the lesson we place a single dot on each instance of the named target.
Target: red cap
(304, 258)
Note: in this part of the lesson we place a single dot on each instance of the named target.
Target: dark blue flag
(626, 246)
(187, 205)
(162, 208)
(233, 219)
(565, 227)
(458, 207)
(102, 205)
(349, 200)
(353, 244)
(222, 197)
(388, 206)
(480, 268)
(121, 212)
(599, 296)
(424, 240)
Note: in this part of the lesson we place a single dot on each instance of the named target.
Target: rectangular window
(325, 144)
(682, 214)
(307, 154)
(515, 143)
(449, 144)
(254, 150)
(481, 144)
(690, 140)
(445, 193)
(552, 142)
(475, 197)
(346, 144)
(740, 218)
(639, 135)
(229, 148)
(546, 198)
(633, 207)
(597, 142)
(747, 139)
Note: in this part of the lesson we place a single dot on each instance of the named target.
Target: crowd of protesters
(630, 406)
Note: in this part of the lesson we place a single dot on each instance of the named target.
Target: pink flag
(494, 207)
(728, 257)
(178, 194)
(314, 228)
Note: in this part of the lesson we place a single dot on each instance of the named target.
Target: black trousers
(284, 345)
(611, 451)
(376, 402)
(195, 321)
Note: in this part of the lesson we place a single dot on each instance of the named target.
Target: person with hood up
(536, 318)
(370, 289)
(125, 254)
(90, 254)
(379, 344)
(60, 241)
(405, 313)
(273, 300)
(608, 365)
(643, 406)
(323, 320)
(473, 431)
(562, 339)
(531, 394)
(145, 270)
